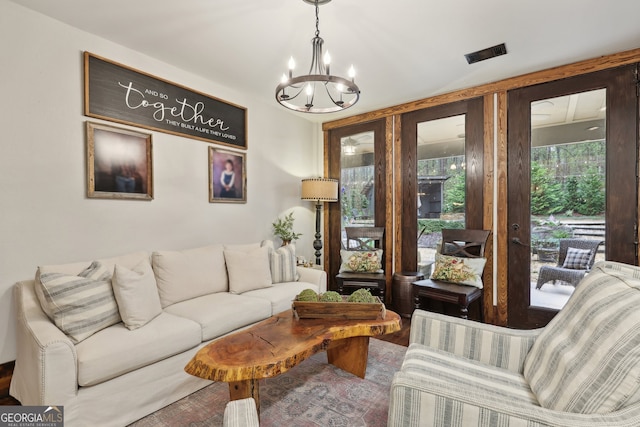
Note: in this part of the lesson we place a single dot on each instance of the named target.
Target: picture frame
(227, 168)
(119, 163)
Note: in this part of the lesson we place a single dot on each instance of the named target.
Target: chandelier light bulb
(284, 78)
(292, 64)
(309, 90)
(352, 73)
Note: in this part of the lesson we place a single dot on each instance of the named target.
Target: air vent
(490, 52)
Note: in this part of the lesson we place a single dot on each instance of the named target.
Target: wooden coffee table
(280, 342)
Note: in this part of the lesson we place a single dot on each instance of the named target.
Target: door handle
(519, 242)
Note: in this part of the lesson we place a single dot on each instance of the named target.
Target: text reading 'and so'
(191, 115)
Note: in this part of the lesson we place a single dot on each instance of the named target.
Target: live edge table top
(281, 342)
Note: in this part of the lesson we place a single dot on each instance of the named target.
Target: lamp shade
(320, 189)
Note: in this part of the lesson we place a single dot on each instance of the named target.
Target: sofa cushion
(81, 304)
(281, 295)
(136, 293)
(248, 270)
(127, 260)
(221, 312)
(182, 275)
(587, 359)
(117, 350)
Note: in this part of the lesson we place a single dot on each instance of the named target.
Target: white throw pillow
(248, 270)
(282, 262)
(182, 275)
(81, 304)
(136, 293)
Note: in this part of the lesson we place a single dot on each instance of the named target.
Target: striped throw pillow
(81, 305)
(587, 359)
(283, 264)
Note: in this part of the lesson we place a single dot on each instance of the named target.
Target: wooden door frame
(621, 137)
(383, 133)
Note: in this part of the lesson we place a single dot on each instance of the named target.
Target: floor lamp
(319, 190)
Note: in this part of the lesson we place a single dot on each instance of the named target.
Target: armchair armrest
(493, 345)
(241, 413)
(46, 364)
(314, 276)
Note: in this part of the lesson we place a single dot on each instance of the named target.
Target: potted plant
(283, 228)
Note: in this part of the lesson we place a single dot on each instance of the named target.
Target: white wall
(45, 217)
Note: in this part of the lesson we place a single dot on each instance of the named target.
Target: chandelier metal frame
(302, 92)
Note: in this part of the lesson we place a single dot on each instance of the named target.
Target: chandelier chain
(317, 21)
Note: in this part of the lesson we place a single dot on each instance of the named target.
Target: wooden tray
(339, 310)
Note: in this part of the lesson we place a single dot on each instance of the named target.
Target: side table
(402, 291)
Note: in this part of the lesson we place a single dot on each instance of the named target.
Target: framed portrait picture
(227, 176)
(119, 164)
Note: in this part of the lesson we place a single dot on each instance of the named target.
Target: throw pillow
(283, 264)
(587, 359)
(136, 294)
(248, 270)
(577, 259)
(81, 305)
(463, 271)
(361, 261)
(183, 275)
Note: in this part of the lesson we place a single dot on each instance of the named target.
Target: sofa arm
(241, 413)
(489, 344)
(313, 276)
(45, 372)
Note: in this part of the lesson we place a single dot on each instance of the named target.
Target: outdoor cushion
(577, 259)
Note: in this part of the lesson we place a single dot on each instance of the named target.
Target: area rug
(311, 394)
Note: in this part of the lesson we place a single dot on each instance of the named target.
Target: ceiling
(402, 50)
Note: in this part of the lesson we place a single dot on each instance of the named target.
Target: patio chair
(575, 259)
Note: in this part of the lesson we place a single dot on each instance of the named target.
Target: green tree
(572, 197)
(454, 193)
(591, 193)
(546, 195)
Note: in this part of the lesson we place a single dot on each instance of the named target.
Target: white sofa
(169, 305)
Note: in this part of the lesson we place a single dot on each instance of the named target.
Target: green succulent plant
(331, 296)
(361, 295)
(307, 295)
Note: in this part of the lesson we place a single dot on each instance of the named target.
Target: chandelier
(318, 91)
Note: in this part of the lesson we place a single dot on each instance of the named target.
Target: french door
(572, 158)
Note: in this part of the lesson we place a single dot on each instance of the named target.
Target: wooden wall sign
(121, 94)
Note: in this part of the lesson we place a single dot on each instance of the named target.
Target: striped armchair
(582, 369)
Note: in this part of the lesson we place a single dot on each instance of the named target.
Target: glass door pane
(357, 182)
(441, 183)
(568, 170)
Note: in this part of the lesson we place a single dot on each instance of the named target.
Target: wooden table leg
(350, 354)
(243, 389)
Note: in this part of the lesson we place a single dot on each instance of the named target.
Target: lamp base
(317, 243)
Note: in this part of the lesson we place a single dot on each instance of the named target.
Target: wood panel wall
(495, 156)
